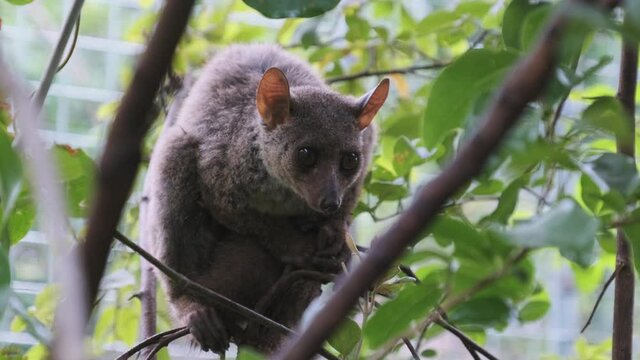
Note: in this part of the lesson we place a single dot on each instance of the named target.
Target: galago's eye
(349, 161)
(307, 157)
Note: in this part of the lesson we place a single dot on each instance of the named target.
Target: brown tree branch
(522, 86)
(148, 342)
(367, 73)
(165, 341)
(625, 279)
(122, 153)
(471, 345)
(595, 306)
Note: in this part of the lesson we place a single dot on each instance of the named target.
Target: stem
(625, 279)
(368, 73)
(58, 51)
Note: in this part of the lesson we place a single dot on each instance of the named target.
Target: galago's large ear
(371, 102)
(273, 98)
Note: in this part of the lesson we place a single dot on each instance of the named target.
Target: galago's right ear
(371, 102)
(273, 98)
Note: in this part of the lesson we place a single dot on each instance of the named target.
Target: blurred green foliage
(556, 182)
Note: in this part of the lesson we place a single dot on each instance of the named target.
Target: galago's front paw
(207, 328)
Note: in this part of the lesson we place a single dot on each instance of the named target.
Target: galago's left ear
(371, 102)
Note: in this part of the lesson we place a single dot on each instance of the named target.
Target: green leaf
(22, 218)
(487, 187)
(77, 171)
(277, 9)
(429, 353)
(5, 280)
(535, 308)
(389, 190)
(248, 354)
(533, 22)
(18, 324)
(126, 321)
(606, 113)
(20, 2)
(37, 352)
(406, 156)
(10, 178)
(358, 28)
(346, 337)
(514, 19)
(566, 226)
(485, 312)
(394, 316)
(507, 202)
(618, 172)
(474, 73)
(103, 332)
(633, 234)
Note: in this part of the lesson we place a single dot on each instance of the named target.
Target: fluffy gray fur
(227, 204)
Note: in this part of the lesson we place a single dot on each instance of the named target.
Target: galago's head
(313, 138)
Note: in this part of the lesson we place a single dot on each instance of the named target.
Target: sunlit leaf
(471, 75)
(413, 302)
(493, 312)
(277, 9)
(618, 172)
(566, 226)
(346, 337)
(19, 2)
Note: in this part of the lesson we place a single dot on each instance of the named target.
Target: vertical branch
(625, 279)
(52, 215)
(122, 153)
(58, 51)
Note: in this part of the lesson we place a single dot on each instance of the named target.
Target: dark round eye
(307, 157)
(350, 161)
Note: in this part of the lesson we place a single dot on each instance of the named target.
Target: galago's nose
(330, 205)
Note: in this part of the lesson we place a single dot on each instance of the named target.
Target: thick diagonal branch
(523, 85)
(122, 153)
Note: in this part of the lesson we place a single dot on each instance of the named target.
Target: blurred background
(84, 94)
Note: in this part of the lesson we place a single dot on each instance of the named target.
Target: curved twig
(148, 342)
(602, 292)
(368, 73)
(165, 341)
(73, 46)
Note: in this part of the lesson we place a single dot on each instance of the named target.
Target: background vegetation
(548, 201)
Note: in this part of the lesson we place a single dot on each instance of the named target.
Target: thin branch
(165, 341)
(470, 344)
(148, 342)
(52, 217)
(525, 83)
(602, 292)
(201, 292)
(367, 73)
(122, 153)
(56, 56)
(412, 350)
(74, 42)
